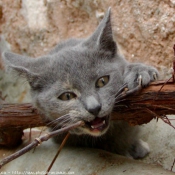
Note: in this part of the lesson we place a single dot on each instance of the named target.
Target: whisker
(121, 89)
(116, 102)
(58, 119)
(60, 122)
(58, 125)
(64, 121)
(55, 127)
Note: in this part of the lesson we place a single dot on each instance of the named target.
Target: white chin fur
(94, 133)
(81, 131)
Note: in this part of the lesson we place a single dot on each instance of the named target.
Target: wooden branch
(58, 152)
(154, 101)
(38, 141)
(161, 102)
(19, 116)
(13, 119)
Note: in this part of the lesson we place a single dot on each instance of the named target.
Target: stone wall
(144, 29)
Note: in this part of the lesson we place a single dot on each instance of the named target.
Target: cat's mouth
(98, 125)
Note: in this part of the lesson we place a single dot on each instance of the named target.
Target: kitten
(78, 80)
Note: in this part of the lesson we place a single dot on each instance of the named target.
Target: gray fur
(75, 66)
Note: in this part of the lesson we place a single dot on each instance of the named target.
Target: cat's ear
(20, 64)
(103, 35)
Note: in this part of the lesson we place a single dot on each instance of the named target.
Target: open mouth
(98, 124)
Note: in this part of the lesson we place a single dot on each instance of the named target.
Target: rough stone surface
(159, 136)
(78, 161)
(144, 29)
(13, 89)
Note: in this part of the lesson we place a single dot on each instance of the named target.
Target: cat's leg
(138, 149)
(136, 73)
(124, 139)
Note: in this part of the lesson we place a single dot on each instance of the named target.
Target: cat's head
(79, 82)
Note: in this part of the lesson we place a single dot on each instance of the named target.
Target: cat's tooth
(140, 80)
(104, 122)
(92, 127)
(155, 76)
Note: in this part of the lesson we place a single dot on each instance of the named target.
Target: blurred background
(144, 31)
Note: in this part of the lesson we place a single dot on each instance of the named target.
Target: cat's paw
(139, 74)
(139, 149)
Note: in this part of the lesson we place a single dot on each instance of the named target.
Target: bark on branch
(157, 100)
(154, 101)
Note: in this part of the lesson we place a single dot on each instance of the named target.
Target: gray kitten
(79, 80)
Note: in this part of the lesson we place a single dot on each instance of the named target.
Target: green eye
(67, 96)
(102, 81)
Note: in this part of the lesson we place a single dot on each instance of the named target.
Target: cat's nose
(95, 110)
(92, 105)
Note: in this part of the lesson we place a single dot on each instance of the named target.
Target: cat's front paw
(139, 74)
(139, 149)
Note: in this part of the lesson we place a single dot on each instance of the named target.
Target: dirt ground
(78, 161)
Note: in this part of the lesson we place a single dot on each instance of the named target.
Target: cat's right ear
(102, 38)
(22, 65)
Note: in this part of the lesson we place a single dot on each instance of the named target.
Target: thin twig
(167, 121)
(124, 92)
(163, 85)
(164, 118)
(59, 150)
(173, 165)
(174, 64)
(38, 141)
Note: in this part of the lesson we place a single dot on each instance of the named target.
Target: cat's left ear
(102, 38)
(22, 65)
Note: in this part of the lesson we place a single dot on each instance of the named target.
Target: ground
(73, 160)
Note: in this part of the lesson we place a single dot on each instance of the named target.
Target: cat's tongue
(97, 122)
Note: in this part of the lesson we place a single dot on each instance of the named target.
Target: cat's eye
(67, 96)
(102, 81)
